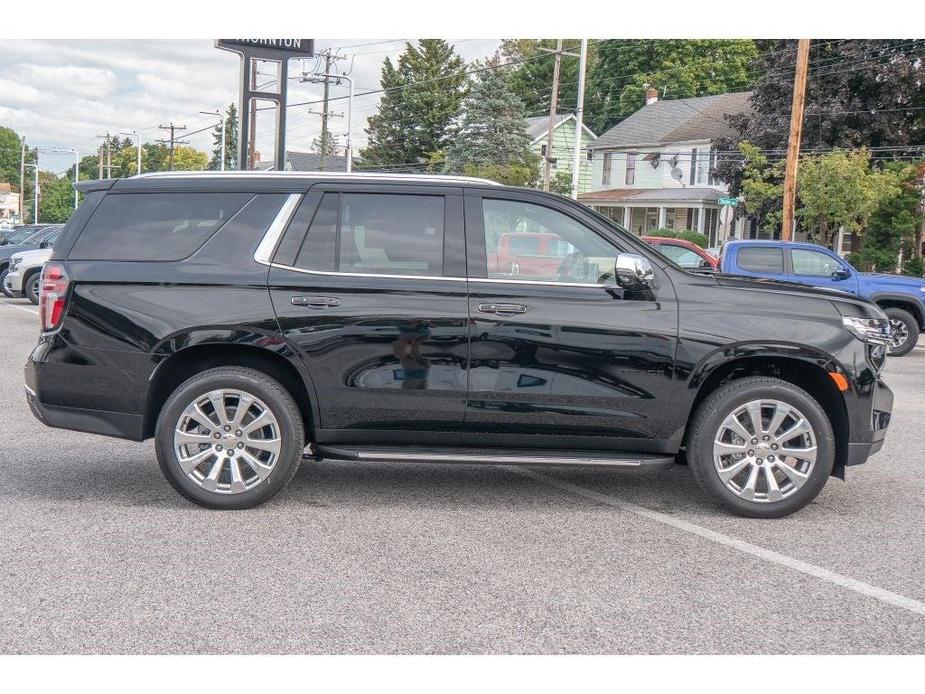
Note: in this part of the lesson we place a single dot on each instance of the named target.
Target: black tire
(3, 273)
(278, 401)
(708, 419)
(912, 330)
(30, 286)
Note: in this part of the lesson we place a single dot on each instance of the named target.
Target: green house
(563, 142)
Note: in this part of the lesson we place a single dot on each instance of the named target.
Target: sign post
(278, 51)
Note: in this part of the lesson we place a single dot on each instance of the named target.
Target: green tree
(840, 190)
(422, 95)
(860, 93)
(189, 159)
(492, 141)
(56, 201)
(762, 187)
(231, 141)
(328, 146)
(532, 68)
(676, 68)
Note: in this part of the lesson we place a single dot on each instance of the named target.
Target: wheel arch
(811, 372)
(187, 362)
(906, 303)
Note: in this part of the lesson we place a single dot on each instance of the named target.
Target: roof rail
(366, 176)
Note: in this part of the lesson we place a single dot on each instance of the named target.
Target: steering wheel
(574, 267)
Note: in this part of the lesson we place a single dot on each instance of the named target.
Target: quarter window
(761, 259)
(813, 263)
(155, 226)
(535, 243)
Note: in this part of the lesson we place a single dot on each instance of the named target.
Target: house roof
(634, 195)
(311, 161)
(537, 126)
(677, 120)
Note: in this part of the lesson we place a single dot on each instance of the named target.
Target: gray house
(308, 161)
(654, 169)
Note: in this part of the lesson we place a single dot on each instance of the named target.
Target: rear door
(369, 287)
(553, 353)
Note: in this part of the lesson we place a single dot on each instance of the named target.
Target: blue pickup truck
(901, 298)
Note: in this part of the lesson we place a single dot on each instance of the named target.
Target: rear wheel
(32, 286)
(230, 438)
(762, 446)
(905, 331)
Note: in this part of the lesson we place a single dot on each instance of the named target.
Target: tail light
(53, 295)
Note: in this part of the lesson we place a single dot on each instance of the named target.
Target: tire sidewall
(3, 273)
(911, 325)
(34, 279)
(721, 407)
(273, 396)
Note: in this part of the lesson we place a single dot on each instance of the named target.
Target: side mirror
(841, 274)
(633, 271)
(45, 244)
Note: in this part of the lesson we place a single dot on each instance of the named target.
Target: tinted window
(813, 263)
(155, 226)
(319, 245)
(684, 257)
(569, 252)
(761, 259)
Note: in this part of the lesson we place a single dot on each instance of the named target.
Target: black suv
(245, 321)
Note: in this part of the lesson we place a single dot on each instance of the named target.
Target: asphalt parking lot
(100, 555)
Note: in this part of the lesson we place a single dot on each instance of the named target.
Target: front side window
(807, 262)
(373, 233)
(761, 259)
(530, 242)
(155, 226)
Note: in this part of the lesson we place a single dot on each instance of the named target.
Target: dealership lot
(99, 554)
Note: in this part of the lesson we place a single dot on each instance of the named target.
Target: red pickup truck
(532, 254)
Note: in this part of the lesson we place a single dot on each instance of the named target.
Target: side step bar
(486, 456)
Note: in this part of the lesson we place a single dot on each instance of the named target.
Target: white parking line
(21, 308)
(822, 574)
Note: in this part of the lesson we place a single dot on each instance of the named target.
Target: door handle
(503, 309)
(316, 301)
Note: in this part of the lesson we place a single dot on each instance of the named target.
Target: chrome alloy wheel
(227, 441)
(899, 333)
(764, 450)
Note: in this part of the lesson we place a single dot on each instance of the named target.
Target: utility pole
(108, 165)
(100, 158)
(793, 144)
(579, 117)
(330, 60)
(172, 141)
(221, 117)
(22, 182)
(553, 106)
(135, 134)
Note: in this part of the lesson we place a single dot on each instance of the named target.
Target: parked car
(901, 298)
(242, 319)
(34, 240)
(25, 273)
(19, 234)
(688, 255)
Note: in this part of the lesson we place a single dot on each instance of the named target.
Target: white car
(26, 273)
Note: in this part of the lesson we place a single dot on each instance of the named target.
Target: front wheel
(3, 273)
(229, 438)
(32, 287)
(905, 329)
(762, 446)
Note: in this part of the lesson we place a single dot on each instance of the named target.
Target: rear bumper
(118, 424)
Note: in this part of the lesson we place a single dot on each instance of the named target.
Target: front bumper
(13, 283)
(867, 440)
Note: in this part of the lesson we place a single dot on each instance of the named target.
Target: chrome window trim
(331, 273)
(264, 252)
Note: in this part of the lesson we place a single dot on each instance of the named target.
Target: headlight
(873, 330)
(15, 263)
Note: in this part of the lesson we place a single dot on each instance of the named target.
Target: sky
(65, 93)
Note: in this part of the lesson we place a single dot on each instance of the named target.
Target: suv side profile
(240, 319)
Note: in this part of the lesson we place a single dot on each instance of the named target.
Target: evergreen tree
(422, 95)
(329, 147)
(231, 141)
(492, 140)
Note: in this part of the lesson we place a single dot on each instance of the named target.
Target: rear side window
(761, 259)
(373, 233)
(155, 226)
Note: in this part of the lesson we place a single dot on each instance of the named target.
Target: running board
(486, 456)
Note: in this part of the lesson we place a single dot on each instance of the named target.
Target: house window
(631, 168)
(608, 165)
(711, 217)
(703, 169)
(693, 178)
(542, 150)
(711, 178)
(590, 155)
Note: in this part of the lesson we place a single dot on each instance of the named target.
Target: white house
(9, 202)
(653, 170)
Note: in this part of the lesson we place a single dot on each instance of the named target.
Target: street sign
(728, 201)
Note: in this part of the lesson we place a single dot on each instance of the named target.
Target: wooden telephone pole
(553, 106)
(793, 144)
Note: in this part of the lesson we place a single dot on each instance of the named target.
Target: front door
(822, 269)
(373, 298)
(552, 352)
